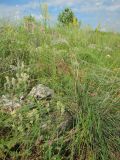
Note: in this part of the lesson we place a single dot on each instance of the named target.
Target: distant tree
(29, 23)
(67, 17)
(29, 18)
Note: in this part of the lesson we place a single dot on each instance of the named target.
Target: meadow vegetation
(82, 66)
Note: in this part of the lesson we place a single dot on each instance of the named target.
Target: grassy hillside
(83, 69)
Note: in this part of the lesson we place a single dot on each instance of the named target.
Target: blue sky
(93, 12)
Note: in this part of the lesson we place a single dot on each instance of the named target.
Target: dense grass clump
(83, 69)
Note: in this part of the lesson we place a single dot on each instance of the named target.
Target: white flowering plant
(20, 81)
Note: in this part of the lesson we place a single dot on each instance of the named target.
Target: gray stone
(9, 105)
(41, 92)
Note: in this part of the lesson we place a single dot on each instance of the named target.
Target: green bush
(83, 69)
(66, 17)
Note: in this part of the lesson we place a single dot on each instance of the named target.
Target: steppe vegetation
(82, 120)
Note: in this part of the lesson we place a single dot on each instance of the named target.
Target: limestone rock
(9, 105)
(41, 92)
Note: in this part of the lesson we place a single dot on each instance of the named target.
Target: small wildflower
(93, 46)
(108, 56)
(108, 49)
(13, 82)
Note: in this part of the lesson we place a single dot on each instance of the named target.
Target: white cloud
(88, 5)
(17, 11)
(95, 7)
(6, 11)
(78, 5)
(113, 7)
(61, 2)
